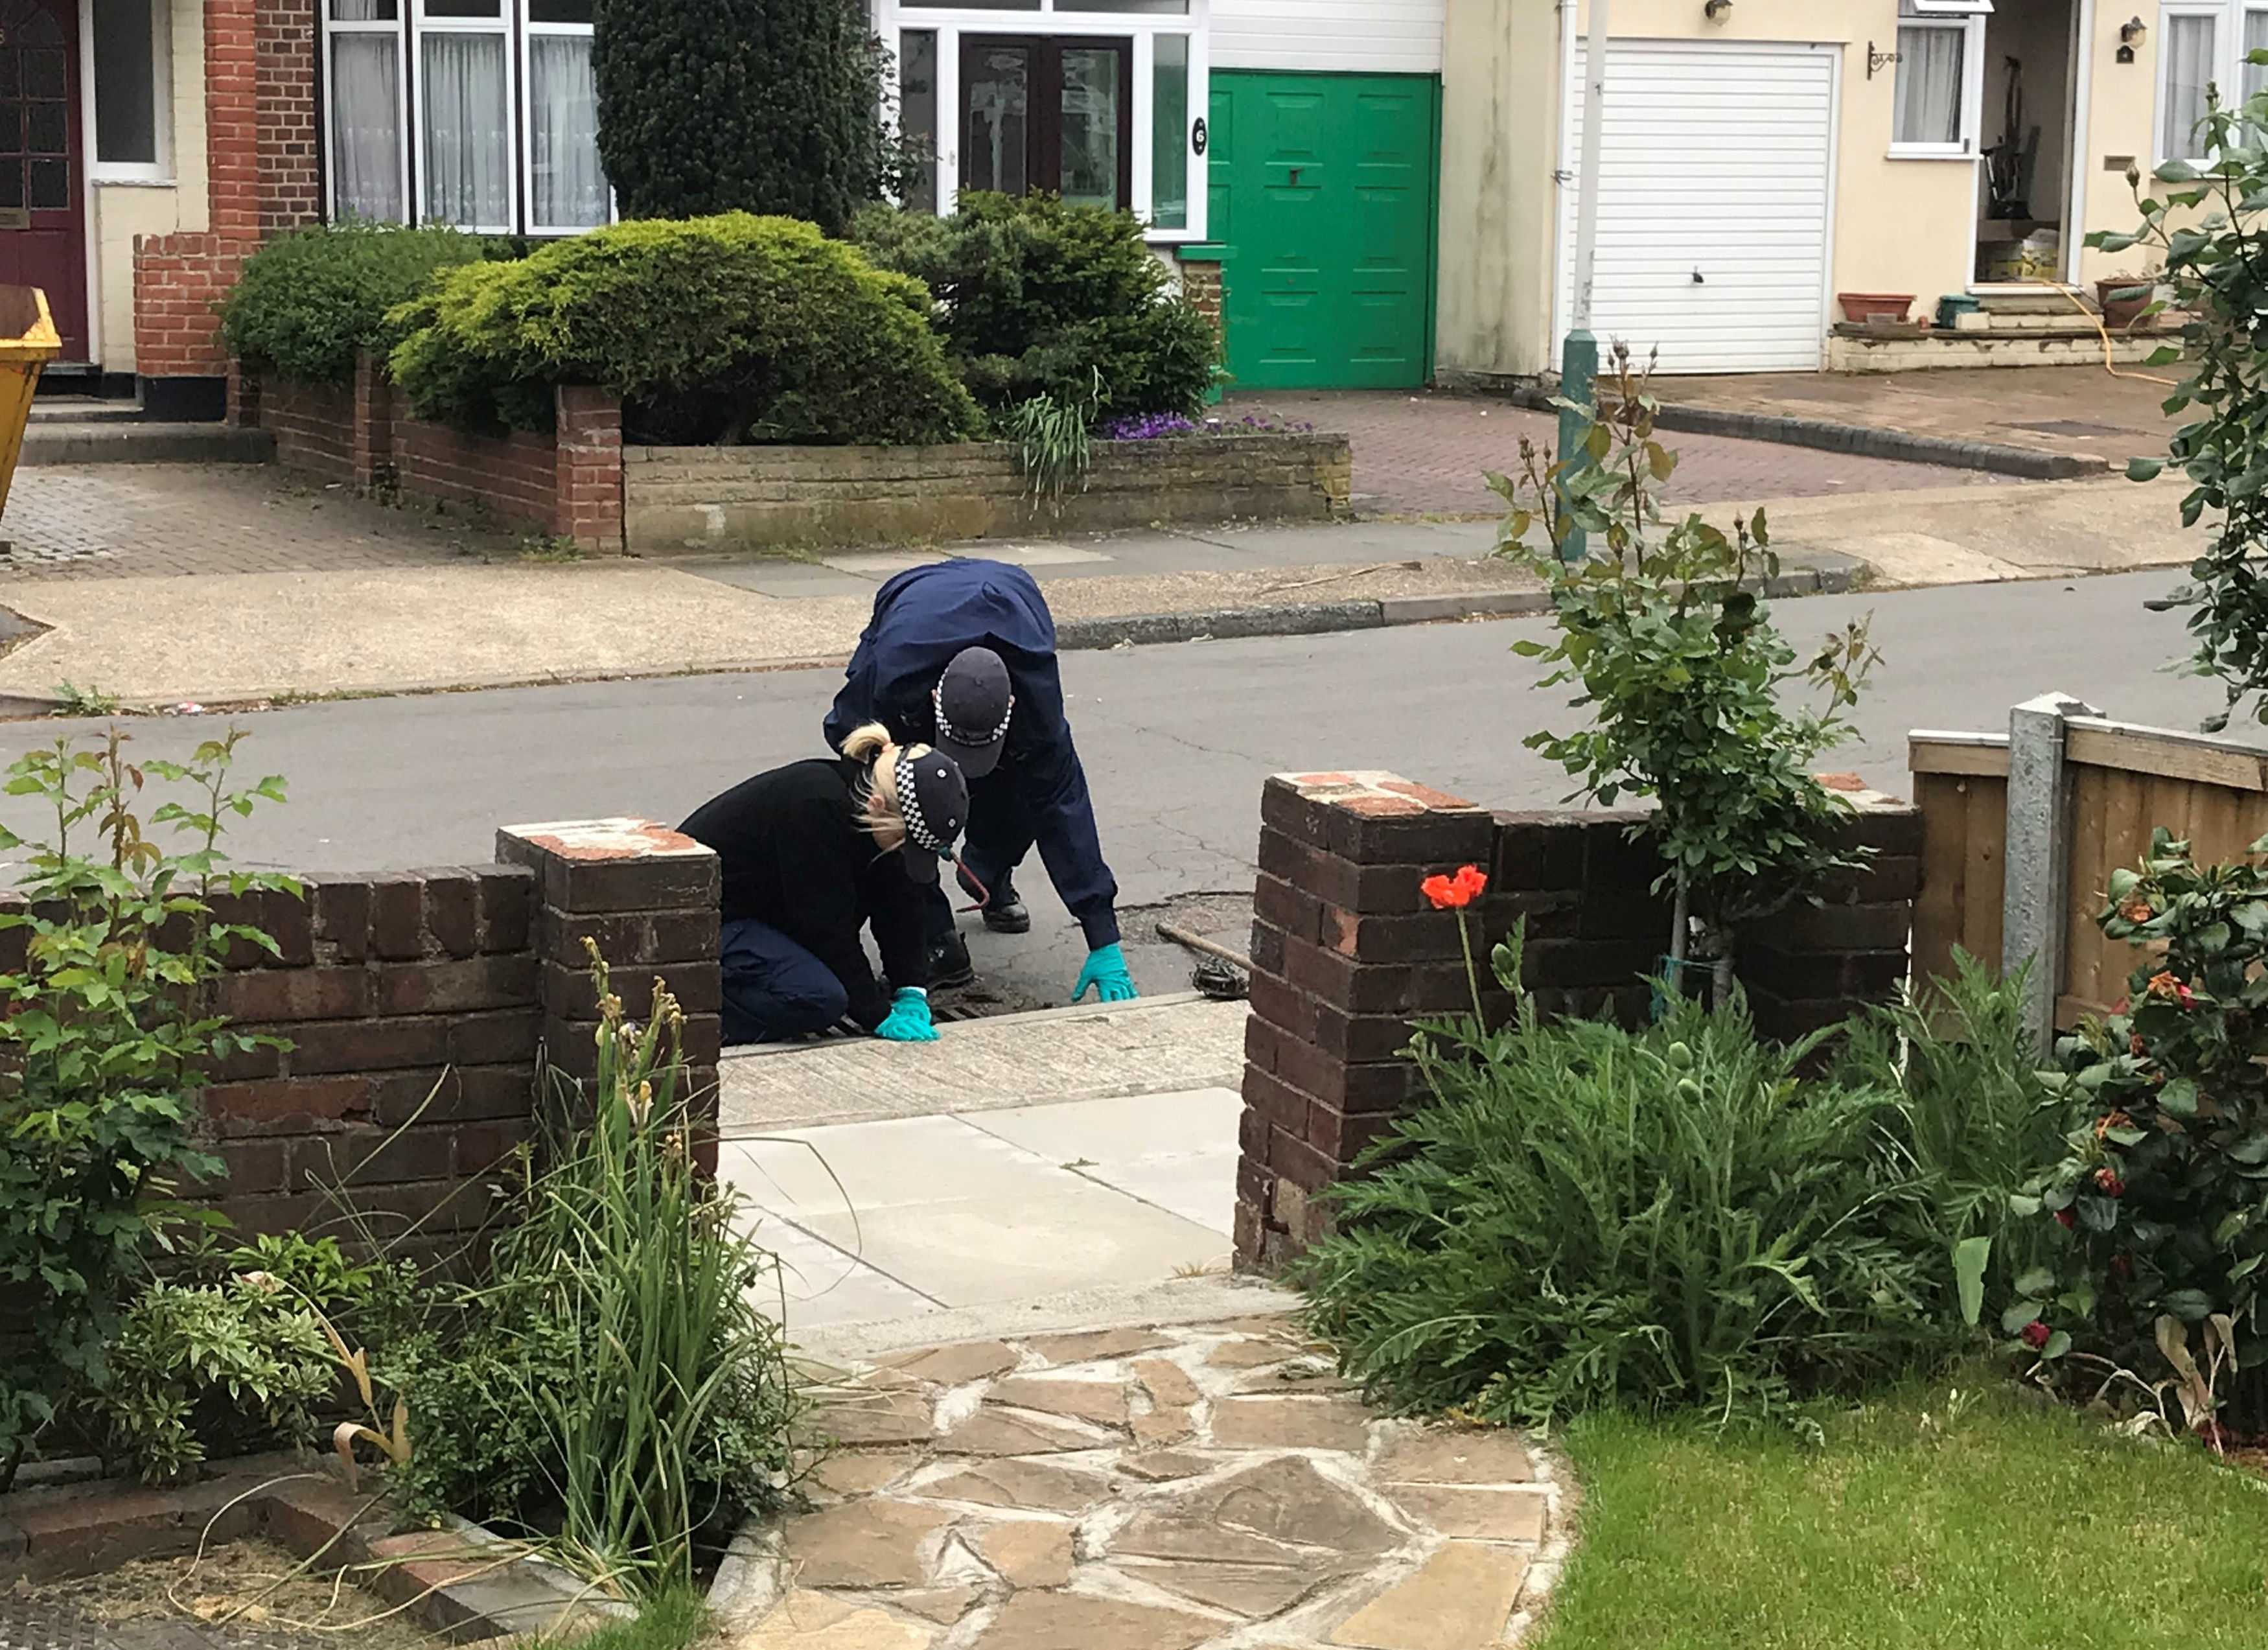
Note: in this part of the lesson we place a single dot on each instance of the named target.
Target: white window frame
(2230, 70)
(1938, 16)
(950, 22)
(408, 27)
(161, 69)
(530, 30)
(508, 13)
(395, 26)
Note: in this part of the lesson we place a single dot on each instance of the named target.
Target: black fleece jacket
(795, 857)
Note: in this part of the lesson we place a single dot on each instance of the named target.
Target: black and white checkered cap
(934, 800)
(972, 703)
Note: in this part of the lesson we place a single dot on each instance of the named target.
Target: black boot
(1005, 914)
(948, 963)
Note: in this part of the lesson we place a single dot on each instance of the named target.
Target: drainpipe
(1578, 354)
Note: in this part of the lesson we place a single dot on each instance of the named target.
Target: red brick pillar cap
(1375, 794)
(606, 839)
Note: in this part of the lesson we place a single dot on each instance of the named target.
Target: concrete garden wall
(1347, 954)
(679, 499)
(581, 483)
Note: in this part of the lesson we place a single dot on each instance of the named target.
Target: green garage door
(1321, 191)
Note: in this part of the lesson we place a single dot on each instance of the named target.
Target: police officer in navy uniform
(961, 655)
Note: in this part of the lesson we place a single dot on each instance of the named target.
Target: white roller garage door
(1713, 204)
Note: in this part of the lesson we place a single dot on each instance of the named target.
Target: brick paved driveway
(1417, 454)
(121, 520)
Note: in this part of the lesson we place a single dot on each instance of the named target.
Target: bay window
(1939, 84)
(478, 114)
(2205, 44)
(1091, 99)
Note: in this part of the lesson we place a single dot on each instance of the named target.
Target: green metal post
(1579, 371)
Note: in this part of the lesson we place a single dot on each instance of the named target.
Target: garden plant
(1584, 1216)
(307, 303)
(730, 329)
(2207, 225)
(2150, 1297)
(1662, 628)
(109, 1034)
(771, 107)
(1040, 297)
(605, 1384)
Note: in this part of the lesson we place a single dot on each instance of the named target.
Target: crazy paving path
(1200, 1487)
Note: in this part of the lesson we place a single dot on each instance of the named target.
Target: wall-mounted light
(1715, 10)
(2128, 33)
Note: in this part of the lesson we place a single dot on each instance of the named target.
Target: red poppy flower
(2107, 1182)
(1454, 893)
(2034, 1333)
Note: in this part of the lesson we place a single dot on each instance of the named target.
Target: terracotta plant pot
(2120, 314)
(1860, 307)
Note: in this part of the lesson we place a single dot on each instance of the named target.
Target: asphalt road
(1176, 740)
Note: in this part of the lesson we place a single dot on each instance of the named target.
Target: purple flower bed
(1150, 426)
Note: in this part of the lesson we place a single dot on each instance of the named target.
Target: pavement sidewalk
(2087, 412)
(430, 625)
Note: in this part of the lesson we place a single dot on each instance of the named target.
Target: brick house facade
(261, 175)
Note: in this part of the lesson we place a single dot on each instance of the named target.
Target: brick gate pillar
(648, 897)
(1346, 954)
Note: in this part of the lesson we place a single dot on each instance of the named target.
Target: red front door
(42, 197)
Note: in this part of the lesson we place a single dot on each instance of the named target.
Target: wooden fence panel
(1964, 830)
(2125, 781)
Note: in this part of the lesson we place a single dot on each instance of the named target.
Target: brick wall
(568, 483)
(1347, 954)
(314, 425)
(410, 1003)
(676, 500)
(261, 167)
(289, 153)
(419, 1008)
(649, 898)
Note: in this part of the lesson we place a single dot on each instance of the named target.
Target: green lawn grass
(2006, 1528)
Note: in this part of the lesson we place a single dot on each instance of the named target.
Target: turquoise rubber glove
(908, 1021)
(1105, 972)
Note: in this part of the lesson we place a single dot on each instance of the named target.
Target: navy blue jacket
(921, 618)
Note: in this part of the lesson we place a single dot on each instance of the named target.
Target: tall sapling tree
(1662, 630)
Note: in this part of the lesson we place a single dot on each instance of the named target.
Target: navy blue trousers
(773, 989)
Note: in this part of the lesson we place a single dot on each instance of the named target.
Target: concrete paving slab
(1151, 1046)
(962, 1216)
(782, 579)
(879, 562)
(1177, 1151)
(819, 1283)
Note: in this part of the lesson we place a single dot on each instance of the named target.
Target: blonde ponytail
(877, 793)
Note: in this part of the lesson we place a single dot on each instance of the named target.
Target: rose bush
(2163, 1194)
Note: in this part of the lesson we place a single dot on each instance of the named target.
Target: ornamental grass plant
(1584, 1216)
(613, 1389)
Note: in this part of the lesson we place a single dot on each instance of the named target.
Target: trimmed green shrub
(1037, 297)
(1584, 1216)
(756, 106)
(306, 302)
(733, 329)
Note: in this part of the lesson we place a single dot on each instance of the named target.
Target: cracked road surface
(1176, 739)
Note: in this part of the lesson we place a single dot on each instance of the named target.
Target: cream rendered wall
(1900, 226)
(123, 210)
(2122, 122)
(1499, 129)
